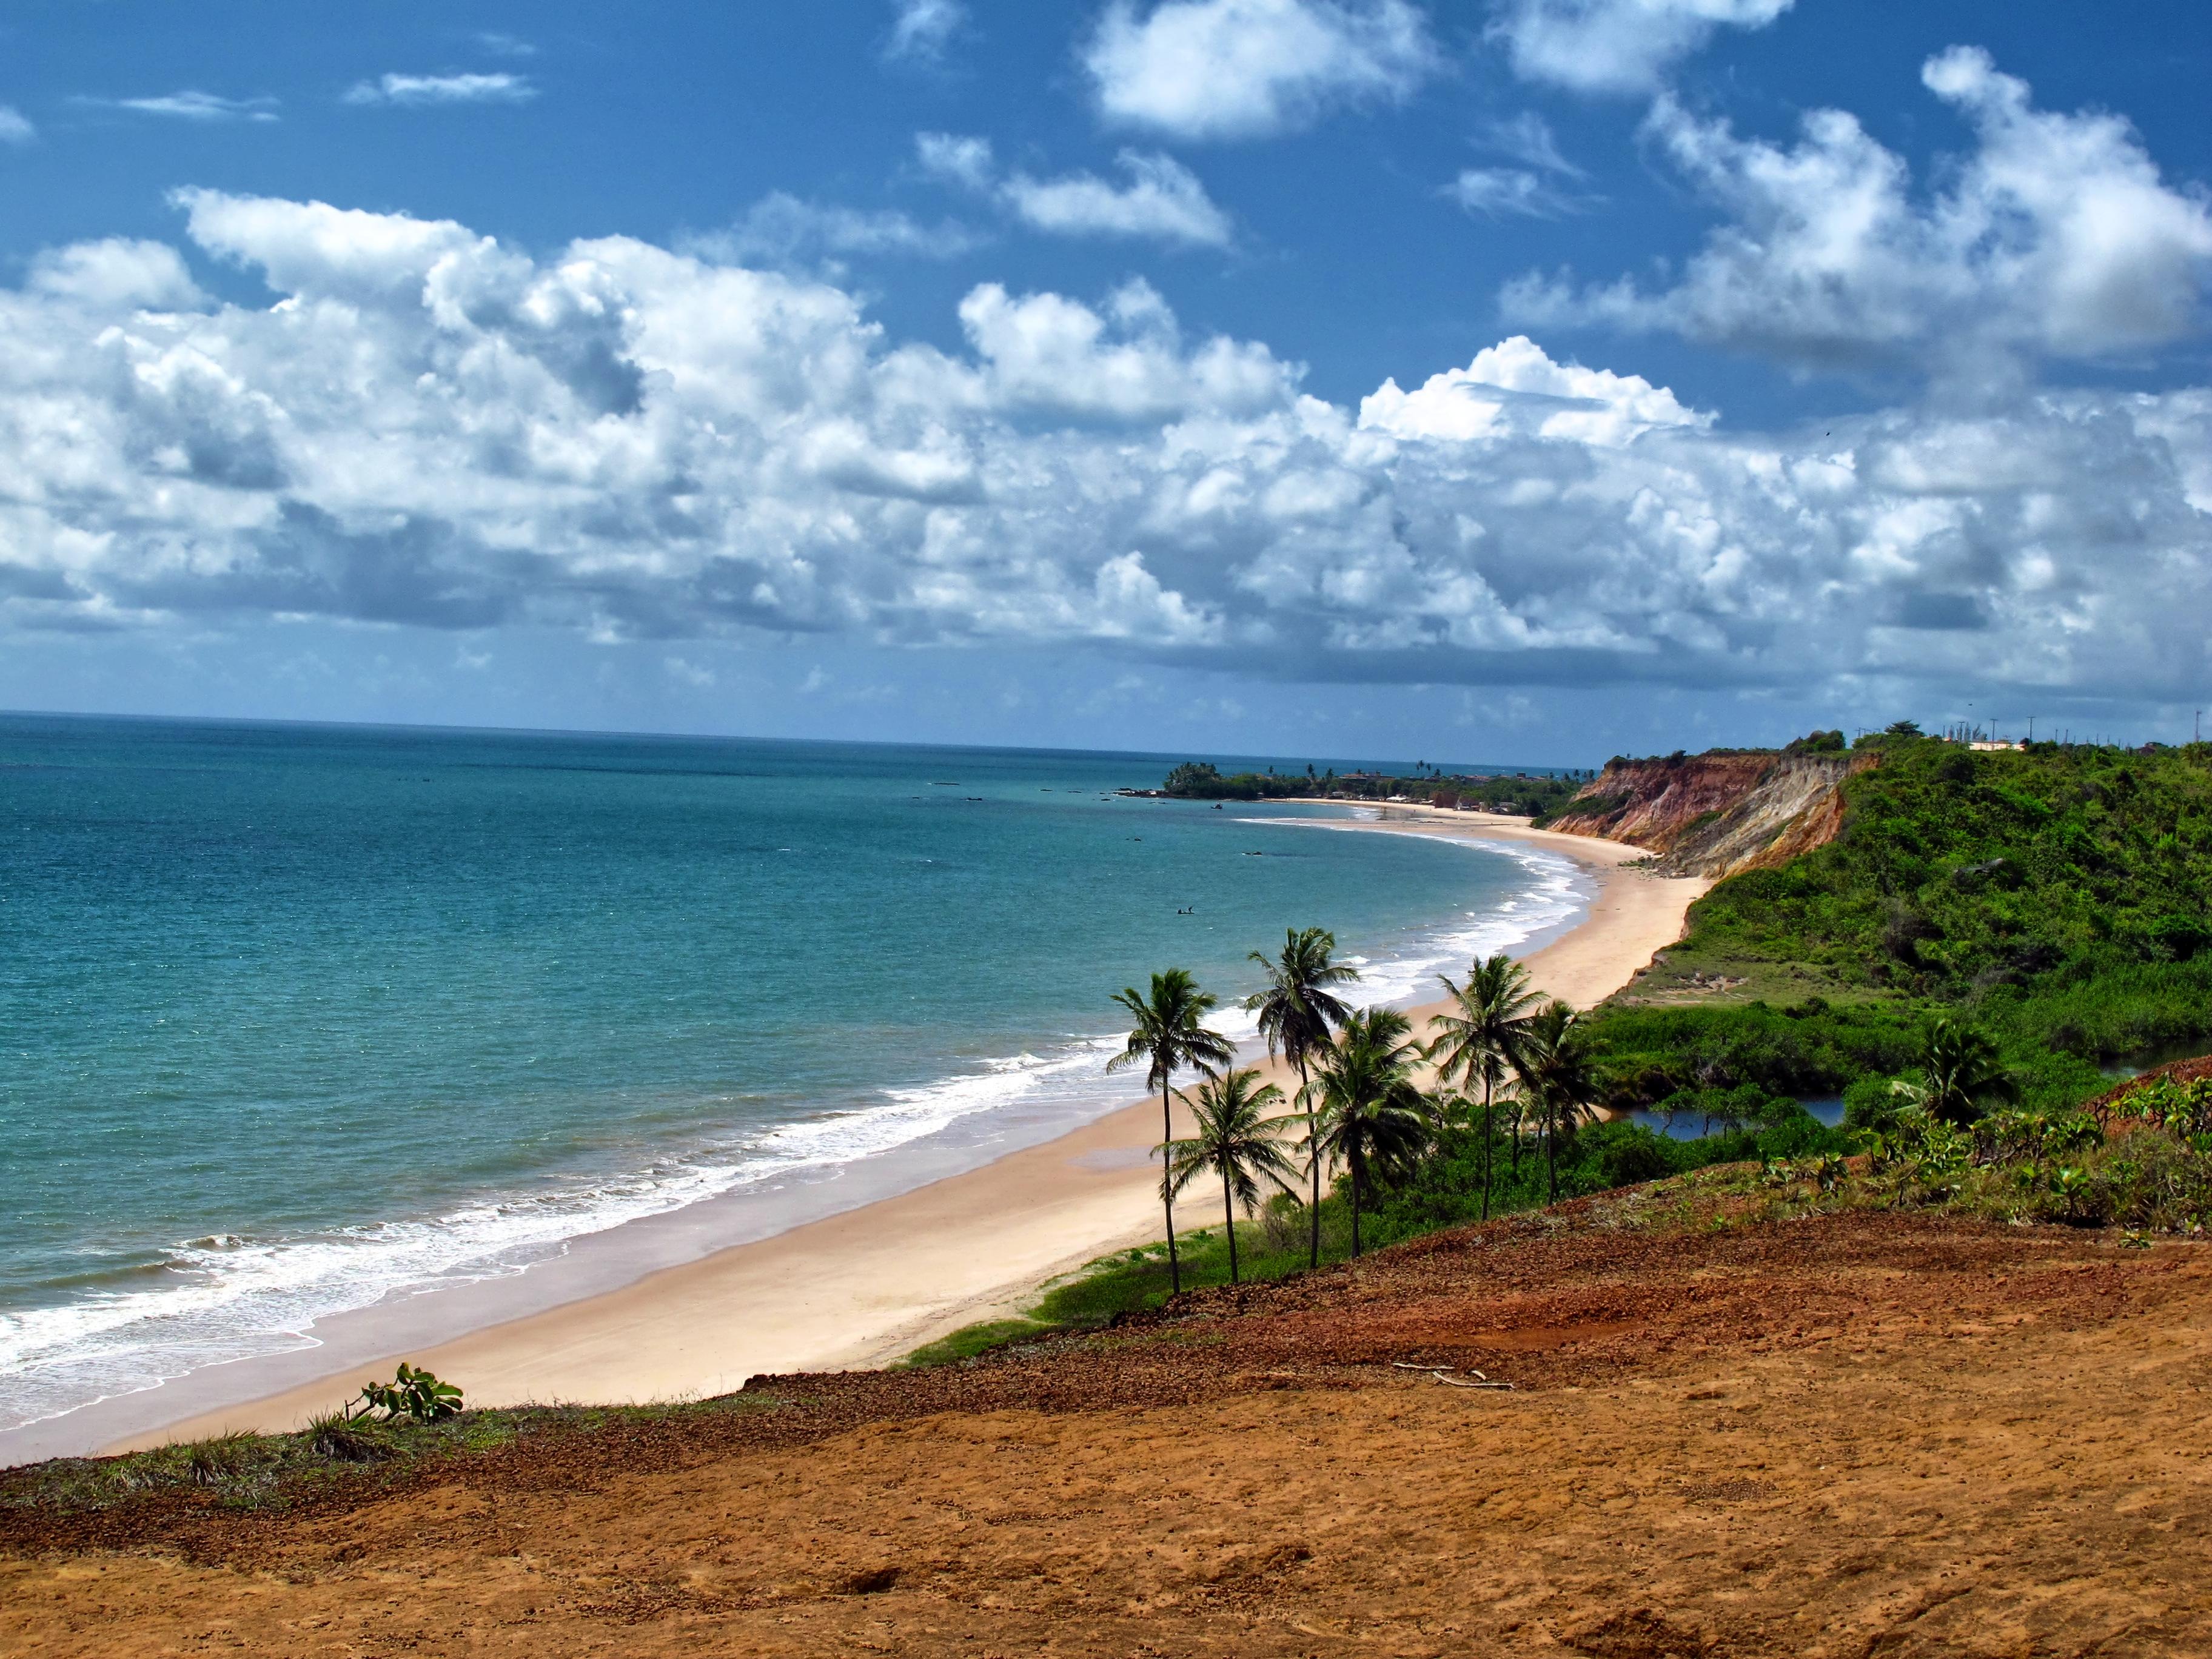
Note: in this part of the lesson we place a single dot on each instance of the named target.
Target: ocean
(297, 1019)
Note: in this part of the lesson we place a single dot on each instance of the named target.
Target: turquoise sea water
(295, 1019)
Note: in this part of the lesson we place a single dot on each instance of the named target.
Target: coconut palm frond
(1961, 1075)
(1482, 1035)
(1372, 1117)
(1298, 1011)
(1235, 1140)
(1557, 1068)
(1168, 1033)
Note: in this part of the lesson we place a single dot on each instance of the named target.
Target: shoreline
(869, 1284)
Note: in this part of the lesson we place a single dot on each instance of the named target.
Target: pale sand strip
(864, 1287)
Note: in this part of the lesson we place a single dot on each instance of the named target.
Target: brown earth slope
(1717, 813)
(1846, 1434)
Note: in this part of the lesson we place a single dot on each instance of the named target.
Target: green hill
(2058, 898)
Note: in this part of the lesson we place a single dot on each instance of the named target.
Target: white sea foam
(1407, 972)
(225, 1296)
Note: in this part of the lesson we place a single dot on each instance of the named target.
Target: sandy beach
(866, 1286)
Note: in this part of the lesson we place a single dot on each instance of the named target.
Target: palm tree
(1482, 1037)
(1167, 1036)
(1370, 1115)
(1557, 1068)
(1959, 1074)
(1295, 1013)
(1235, 1140)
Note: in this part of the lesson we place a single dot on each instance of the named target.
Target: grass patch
(971, 1339)
(273, 1472)
(1444, 1191)
(2057, 899)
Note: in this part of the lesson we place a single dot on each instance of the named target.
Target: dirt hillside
(1718, 813)
(1842, 1435)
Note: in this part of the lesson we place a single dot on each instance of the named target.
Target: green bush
(412, 1393)
(2054, 899)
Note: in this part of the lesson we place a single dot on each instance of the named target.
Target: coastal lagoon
(299, 1020)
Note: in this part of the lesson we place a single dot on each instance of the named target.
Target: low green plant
(2045, 1166)
(412, 1393)
(2181, 1109)
(972, 1339)
(349, 1439)
(217, 1461)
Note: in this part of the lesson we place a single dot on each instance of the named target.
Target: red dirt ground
(1846, 1434)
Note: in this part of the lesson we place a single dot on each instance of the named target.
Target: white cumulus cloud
(1616, 46)
(1514, 387)
(2054, 235)
(1161, 199)
(496, 87)
(421, 425)
(1126, 362)
(1241, 69)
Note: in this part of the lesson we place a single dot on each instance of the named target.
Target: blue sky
(1521, 381)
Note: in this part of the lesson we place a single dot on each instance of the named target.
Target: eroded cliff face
(1716, 814)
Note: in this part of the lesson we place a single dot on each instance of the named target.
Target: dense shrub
(2059, 899)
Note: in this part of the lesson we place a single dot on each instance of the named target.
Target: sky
(1512, 381)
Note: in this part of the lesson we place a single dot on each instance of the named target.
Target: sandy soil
(873, 1284)
(1845, 1435)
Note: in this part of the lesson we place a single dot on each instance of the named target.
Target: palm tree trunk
(1313, 1141)
(1551, 1148)
(1228, 1222)
(1353, 1158)
(1167, 1193)
(1517, 1137)
(1487, 1144)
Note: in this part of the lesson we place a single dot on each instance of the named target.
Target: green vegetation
(1960, 1076)
(2149, 1171)
(2143, 1164)
(1296, 1014)
(1442, 1188)
(1235, 1140)
(412, 1393)
(971, 1341)
(1373, 1121)
(1818, 743)
(361, 1430)
(1409, 1161)
(1540, 796)
(263, 1472)
(1557, 1066)
(2057, 900)
(1988, 931)
(1477, 1040)
(1168, 1035)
